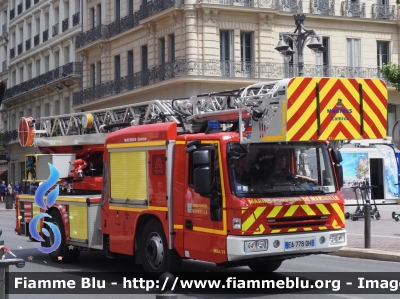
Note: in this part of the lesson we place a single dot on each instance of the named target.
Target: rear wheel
(394, 215)
(347, 215)
(377, 216)
(266, 267)
(156, 256)
(63, 254)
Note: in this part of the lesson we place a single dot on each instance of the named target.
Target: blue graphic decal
(51, 199)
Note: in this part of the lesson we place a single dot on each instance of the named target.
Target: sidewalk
(3, 207)
(385, 235)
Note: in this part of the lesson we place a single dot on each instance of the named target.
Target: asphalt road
(97, 262)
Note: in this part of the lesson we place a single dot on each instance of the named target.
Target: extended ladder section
(189, 113)
(297, 109)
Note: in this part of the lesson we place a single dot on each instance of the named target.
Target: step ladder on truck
(243, 177)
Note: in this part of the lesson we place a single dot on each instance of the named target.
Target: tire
(377, 216)
(155, 255)
(397, 218)
(393, 215)
(266, 267)
(347, 215)
(68, 256)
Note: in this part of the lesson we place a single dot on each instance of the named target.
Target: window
(226, 52)
(56, 108)
(247, 53)
(46, 63)
(130, 68)
(145, 66)
(67, 105)
(47, 109)
(382, 53)
(117, 10)
(37, 66)
(29, 71)
(66, 55)
(56, 59)
(98, 12)
(92, 18)
(130, 6)
(171, 48)
(161, 51)
(98, 74)
(117, 67)
(322, 60)
(37, 112)
(92, 75)
(144, 58)
(353, 57)
(391, 119)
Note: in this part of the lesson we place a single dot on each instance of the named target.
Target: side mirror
(339, 174)
(202, 176)
(336, 156)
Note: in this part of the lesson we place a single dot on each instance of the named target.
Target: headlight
(337, 238)
(251, 246)
(237, 223)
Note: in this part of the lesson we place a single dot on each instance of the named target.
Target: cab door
(204, 215)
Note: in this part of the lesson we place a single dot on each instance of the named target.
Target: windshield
(271, 169)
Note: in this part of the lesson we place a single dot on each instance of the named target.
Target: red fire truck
(244, 177)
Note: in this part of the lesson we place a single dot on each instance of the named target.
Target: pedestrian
(10, 188)
(3, 188)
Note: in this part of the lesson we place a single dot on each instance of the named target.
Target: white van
(373, 162)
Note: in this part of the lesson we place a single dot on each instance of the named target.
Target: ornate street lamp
(299, 36)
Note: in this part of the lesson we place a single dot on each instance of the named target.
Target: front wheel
(156, 256)
(377, 216)
(64, 253)
(266, 267)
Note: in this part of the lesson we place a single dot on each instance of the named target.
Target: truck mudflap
(248, 247)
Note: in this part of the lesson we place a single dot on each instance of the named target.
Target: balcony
(12, 13)
(27, 44)
(132, 20)
(36, 40)
(4, 65)
(27, 4)
(282, 5)
(67, 70)
(383, 12)
(214, 68)
(76, 19)
(19, 8)
(12, 53)
(4, 29)
(322, 7)
(65, 24)
(20, 48)
(353, 9)
(45, 35)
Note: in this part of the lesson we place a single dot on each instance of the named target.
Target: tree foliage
(391, 73)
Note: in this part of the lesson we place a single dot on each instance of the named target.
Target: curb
(370, 254)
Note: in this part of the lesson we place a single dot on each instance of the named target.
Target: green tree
(391, 73)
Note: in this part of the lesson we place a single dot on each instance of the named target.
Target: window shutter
(231, 45)
(349, 52)
(357, 53)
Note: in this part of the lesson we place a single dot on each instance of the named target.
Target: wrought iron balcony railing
(12, 13)
(76, 19)
(28, 44)
(383, 11)
(20, 48)
(45, 35)
(9, 136)
(65, 24)
(19, 8)
(322, 7)
(27, 4)
(4, 65)
(36, 1)
(36, 40)
(282, 5)
(69, 69)
(132, 20)
(54, 30)
(214, 68)
(353, 9)
(12, 52)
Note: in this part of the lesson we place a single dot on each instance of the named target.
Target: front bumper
(236, 252)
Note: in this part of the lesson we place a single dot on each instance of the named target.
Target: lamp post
(299, 36)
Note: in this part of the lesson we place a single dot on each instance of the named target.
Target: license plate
(298, 244)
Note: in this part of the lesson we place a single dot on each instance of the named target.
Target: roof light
(213, 127)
